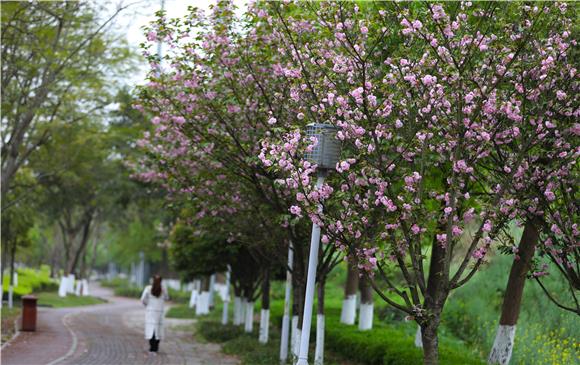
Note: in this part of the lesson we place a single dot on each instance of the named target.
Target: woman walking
(153, 298)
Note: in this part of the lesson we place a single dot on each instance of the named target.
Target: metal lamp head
(326, 153)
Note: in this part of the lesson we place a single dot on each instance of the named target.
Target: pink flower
(479, 253)
(486, 226)
(560, 95)
(272, 121)
(364, 30)
(550, 195)
(415, 229)
(152, 36)
(296, 210)
(428, 80)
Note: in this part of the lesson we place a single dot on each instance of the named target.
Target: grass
(545, 334)
(123, 288)
(180, 311)
(8, 318)
(50, 299)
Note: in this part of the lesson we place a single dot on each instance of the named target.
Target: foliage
(51, 299)
(31, 281)
(57, 60)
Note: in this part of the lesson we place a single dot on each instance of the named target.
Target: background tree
(55, 58)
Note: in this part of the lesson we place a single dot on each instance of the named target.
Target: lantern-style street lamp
(325, 155)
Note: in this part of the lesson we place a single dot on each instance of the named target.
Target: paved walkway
(107, 334)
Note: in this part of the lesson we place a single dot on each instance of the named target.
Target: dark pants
(153, 344)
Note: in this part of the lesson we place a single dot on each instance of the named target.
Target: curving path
(106, 334)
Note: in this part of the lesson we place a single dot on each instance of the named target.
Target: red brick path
(106, 334)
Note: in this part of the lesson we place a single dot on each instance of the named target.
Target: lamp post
(325, 155)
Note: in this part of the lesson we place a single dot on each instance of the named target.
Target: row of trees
(456, 121)
(67, 126)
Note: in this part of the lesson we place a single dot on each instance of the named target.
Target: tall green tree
(58, 58)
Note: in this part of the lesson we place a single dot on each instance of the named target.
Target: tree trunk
(285, 336)
(226, 304)
(237, 305)
(83, 244)
(435, 297)
(211, 291)
(249, 310)
(265, 313)
(298, 288)
(430, 343)
(320, 324)
(348, 313)
(11, 284)
(202, 305)
(504, 340)
(365, 321)
(3, 263)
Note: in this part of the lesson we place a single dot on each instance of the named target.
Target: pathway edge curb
(74, 345)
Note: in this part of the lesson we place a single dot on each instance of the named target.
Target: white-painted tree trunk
(284, 340)
(226, 298)
(78, 288)
(264, 326)
(85, 291)
(503, 345)
(10, 296)
(295, 344)
(365, 321)
(211, 302)
(418, 338)
(71, 284)
(15, 278)
(62, 286)
(202, 305)
(193, 298)
(225, 309)
(348, 312)
(286, 318)
(237, 306)
(319, 350)
(249, 322)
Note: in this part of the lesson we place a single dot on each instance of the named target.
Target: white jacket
(154, 312)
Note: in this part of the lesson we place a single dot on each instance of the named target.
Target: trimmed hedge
(386, 346)
(383, 345)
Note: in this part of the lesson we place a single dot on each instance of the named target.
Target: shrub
(128, 291)
(178, 296)
(114, 283)
(214, 331)
(30, 281)
(386, 345)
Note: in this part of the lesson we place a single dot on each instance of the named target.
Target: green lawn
(50, 299)
(180, 311)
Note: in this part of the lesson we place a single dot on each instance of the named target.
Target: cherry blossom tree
(219, 95)
(440, 118)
